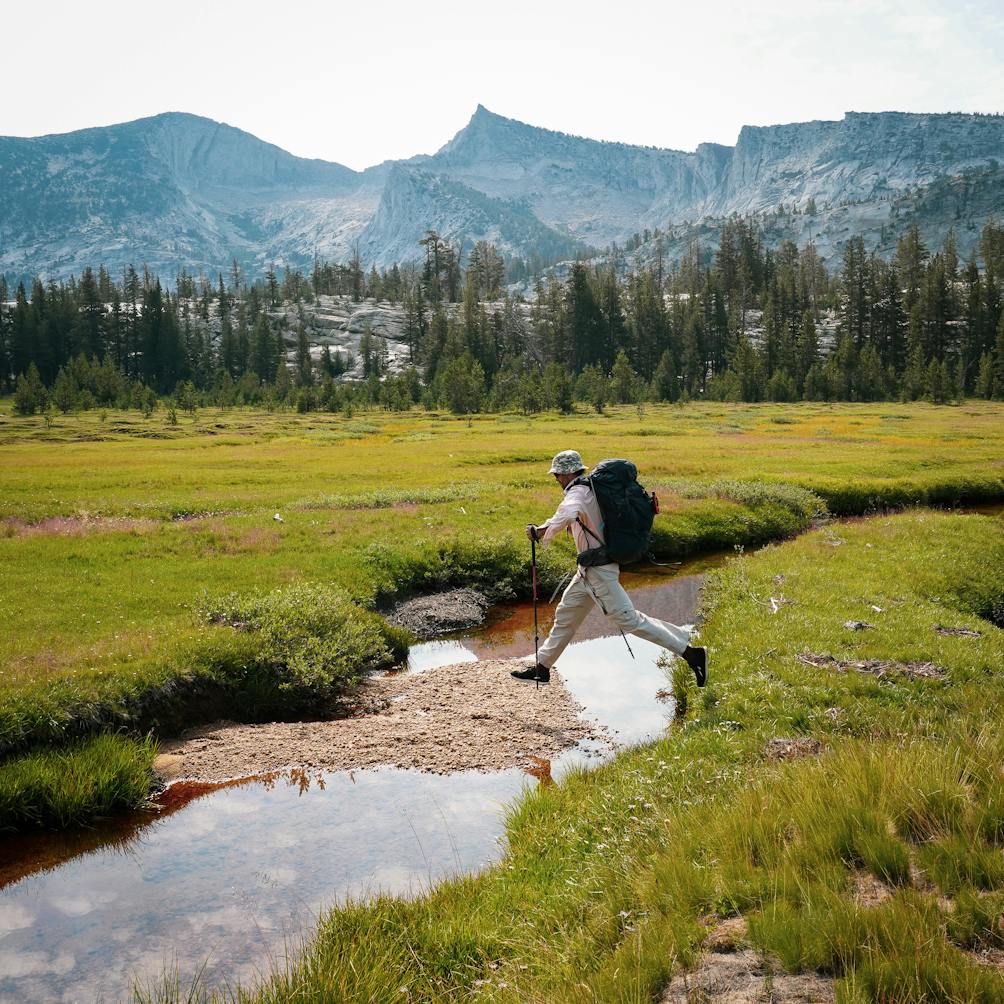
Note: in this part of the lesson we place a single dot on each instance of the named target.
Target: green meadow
(149, 584)
(121, 535)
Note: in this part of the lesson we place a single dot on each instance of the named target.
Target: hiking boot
(697, 660)
(535, 674)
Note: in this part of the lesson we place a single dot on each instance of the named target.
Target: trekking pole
(536, 633)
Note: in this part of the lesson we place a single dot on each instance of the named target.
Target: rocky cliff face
(179, 191)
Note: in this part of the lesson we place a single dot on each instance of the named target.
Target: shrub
(302, 645)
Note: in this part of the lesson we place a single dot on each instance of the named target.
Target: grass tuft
(54, 789)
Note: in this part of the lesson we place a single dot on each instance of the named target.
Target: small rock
(858, 626)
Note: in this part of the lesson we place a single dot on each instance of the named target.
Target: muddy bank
(440, 613)
(468, 716)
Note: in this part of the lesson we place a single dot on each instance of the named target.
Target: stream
(227, 879)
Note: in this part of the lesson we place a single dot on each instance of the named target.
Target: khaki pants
(601, 585)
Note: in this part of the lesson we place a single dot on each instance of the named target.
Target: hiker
(599, 584)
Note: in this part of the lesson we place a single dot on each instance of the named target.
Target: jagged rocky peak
(179, 190)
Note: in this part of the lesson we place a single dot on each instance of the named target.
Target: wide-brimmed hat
(567, 462)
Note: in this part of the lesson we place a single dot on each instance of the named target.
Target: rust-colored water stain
(539, 768)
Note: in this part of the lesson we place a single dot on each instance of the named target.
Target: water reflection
(229, 874)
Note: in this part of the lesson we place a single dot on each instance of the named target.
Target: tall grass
(64, 787)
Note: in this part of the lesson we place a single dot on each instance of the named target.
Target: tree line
(742, 322)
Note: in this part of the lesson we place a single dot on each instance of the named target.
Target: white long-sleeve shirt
(579, 502)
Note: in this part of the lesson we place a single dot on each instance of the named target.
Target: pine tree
(304, 363)
(462, 382)
(29, 392)
(999, 358)
(623, 379)
(65, 391)
(807, 348)
(558, 388)
(986, 381)
(283, 383)
(585, 320)
(228, 349)
(265, 353)
(665, 386)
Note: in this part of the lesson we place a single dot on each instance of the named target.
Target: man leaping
(599, 584)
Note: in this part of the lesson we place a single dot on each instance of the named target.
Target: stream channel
(227, 879)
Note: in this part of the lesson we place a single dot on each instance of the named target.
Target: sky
(387, 79)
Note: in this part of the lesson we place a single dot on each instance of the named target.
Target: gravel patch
(469, 716)
(439, 614)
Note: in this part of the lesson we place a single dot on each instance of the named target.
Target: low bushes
(858, 496)
(497, 567)
(732, 514)
(297, 648)
(285, 652)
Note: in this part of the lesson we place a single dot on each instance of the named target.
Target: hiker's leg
(575, 603)
(621, 611)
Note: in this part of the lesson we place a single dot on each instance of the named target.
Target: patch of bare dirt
(743, 977)
(469, 716)
(726, 935)
(440, 613)
(957, 632)
(790, 749)
(869, 891)
(876, 667)
(990, 957)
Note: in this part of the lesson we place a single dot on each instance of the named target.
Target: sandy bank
(468, 716)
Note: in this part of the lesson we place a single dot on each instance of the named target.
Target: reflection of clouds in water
(279, 875)
(200, 820)
(230, 803)
(19, 964)
(78, 906)
(226, 919)
(431, 654)
(615, 689)
(393, 879)
(14, 917)
(231, 877)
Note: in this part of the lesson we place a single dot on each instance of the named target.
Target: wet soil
(466, 716)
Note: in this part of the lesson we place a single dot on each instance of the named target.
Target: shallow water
(227, 876)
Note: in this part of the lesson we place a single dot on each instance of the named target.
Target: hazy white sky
(377, 79)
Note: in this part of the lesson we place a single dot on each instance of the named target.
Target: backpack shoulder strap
(585, 480)
(586, 528)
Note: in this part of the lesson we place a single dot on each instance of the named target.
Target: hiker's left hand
(532, 532)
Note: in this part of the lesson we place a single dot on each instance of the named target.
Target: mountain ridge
(182, 190)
